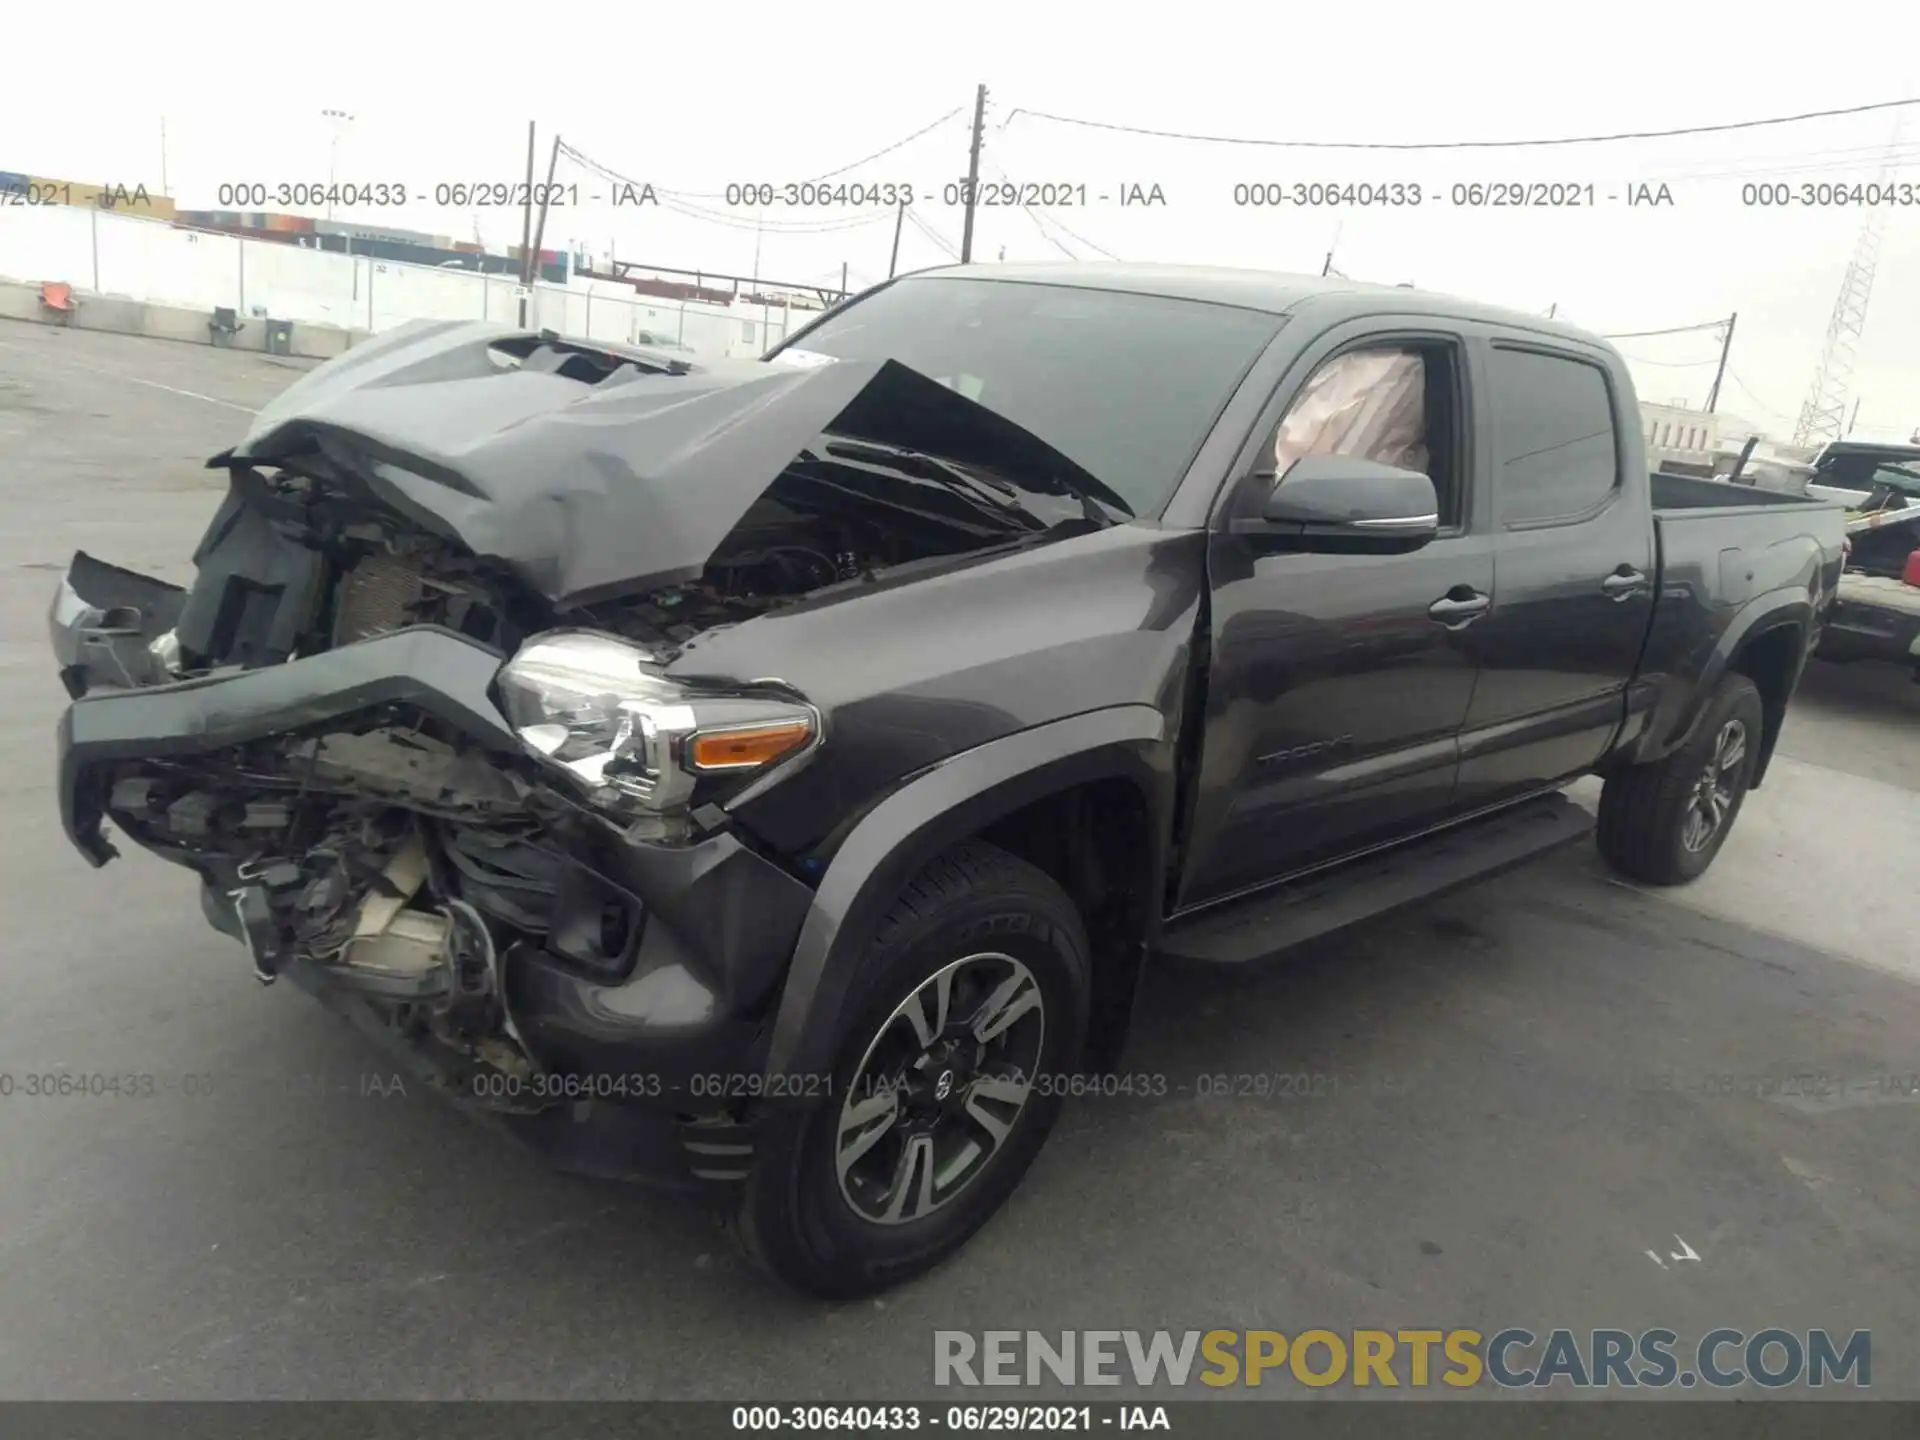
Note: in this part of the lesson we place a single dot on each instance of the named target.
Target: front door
(1337, 684)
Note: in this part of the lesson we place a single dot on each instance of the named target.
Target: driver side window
(1391, 404)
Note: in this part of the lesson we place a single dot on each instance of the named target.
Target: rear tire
(1664, 823)
(980, 939)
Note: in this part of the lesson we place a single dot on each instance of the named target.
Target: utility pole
(973, 171)
(843, 279)
(1852, 419)
(1726, 344)
(899, 219)
(526, 230)
(546, 198)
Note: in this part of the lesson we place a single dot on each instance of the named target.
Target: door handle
(1453, 610)
(1624, 583)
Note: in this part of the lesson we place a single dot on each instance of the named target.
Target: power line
(1032, 215)
(1053, 219)
(1808, 164)
(1676, 330)
(1669, 364)
(668, 200)
(1084, 241)
(1734, 376)
(775, 227)
(1462, 144)
(1047, 234)
(823, 175)
(889, 149)
(932, 234)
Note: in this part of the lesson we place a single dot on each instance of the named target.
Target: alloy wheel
(939, 1088)
(1715, 792)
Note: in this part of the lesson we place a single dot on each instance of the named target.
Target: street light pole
(338, 117)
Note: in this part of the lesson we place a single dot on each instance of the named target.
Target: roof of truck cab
(1275, 292)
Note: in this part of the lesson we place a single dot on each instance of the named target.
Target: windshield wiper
(996, 497)
(1003, 494)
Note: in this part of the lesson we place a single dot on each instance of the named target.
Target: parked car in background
(1876, 614)
(1864, 476)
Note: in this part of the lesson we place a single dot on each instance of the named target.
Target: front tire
(973, 996)
(1664, 823)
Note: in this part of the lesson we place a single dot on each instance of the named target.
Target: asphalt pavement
(1554, 1100)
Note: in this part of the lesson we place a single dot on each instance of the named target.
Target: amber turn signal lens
(744, 749)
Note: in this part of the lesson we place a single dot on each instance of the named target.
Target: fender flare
(1787, 607)
(928, 815)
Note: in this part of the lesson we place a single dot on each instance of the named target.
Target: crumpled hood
(589, 490)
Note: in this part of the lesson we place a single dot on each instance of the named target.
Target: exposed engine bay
(386, 854)
(388, 844)
(343, 567)
(396, 853)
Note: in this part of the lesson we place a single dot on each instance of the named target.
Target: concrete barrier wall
(167, 322)
(117, 260)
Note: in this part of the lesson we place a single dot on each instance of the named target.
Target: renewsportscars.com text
(1509, 1359)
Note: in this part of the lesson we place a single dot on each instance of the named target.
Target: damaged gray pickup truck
(773, 776)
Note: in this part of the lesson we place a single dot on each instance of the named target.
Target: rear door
(1338, 683)
(1574, 570)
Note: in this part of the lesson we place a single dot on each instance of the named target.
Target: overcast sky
(444, 94)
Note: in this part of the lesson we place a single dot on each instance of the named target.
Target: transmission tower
(1824, 415)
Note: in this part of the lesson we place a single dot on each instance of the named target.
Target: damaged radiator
(376, 596)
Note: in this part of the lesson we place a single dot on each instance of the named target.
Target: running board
(1288, 915)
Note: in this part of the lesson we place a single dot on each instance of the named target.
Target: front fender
(930, 814)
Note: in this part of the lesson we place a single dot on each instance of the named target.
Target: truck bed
(1690, 493)
(1719, 547)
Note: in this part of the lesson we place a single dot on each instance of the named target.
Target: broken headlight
(597, 708)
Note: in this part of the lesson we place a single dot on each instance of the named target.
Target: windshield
(1127, 386)
(1867, 471)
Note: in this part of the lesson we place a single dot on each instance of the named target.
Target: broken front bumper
(671, 1038)
(111, 627)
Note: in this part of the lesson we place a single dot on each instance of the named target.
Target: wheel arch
(1768, 640)
(1107, 773)
(1772, 657)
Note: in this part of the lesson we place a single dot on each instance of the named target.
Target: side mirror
(1340, 504)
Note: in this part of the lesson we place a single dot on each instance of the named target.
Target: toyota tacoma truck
(773, 776)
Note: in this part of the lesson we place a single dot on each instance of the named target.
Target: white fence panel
(150, 260)
(311, 286)
(39, 243)
(140, 260)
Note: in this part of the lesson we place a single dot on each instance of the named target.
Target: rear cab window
(1556, 458)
